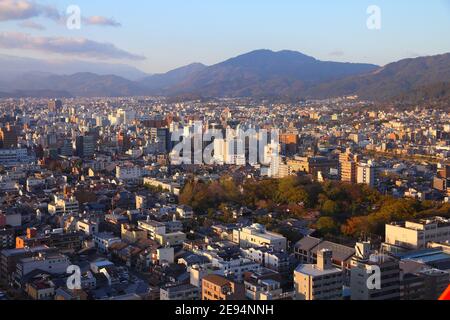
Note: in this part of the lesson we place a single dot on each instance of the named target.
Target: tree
(326, 225)
(330, 208)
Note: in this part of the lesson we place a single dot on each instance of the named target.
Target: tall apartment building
(55, 105)
(7, 239)
(321, 281)
(85, 146)
(416, 235)
(364, 267)
(348, 167)
(366, 173)
(8, 137)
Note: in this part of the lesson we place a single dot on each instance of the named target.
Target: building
(367, 270)
(88, 227)
(40, 289)
(161, 136)
(311, 165)
(265, 286)
(420, 282)
(171, 239)
(129, 173)
(62, 206)
(52, 263)
(416, 235)
(321, 281)
(103, 241)
(141, 202)
(7, 238)
(366, 174)
(8, 137)
(268, 258)
(10, 257)
(257, 236)
(185, 212)
(85, 146)
(184, 292)
(14, 157)
(55, 105)
(56, 238)
(306, 251)
(348, 167)
(215, 287)
(132, 234)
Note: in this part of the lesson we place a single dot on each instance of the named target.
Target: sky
(160, 35)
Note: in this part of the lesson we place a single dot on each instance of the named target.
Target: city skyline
(157, 37)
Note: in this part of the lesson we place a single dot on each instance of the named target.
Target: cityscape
(270, 176)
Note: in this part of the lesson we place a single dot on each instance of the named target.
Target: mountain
(13, 67)
(78, 85)
(399, 78)
(265, 73)
(49, 94)
(163, 82)
(262, 74)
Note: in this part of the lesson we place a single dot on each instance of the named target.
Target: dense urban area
(94, 208)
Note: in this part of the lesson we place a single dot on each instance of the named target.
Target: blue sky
(172, 33)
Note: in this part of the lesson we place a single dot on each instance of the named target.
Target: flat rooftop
(312, 270)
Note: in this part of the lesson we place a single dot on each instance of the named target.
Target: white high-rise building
(366, 173)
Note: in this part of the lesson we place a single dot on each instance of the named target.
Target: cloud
(80, 47)
(101, 21)
(25, 9)
(31, 25)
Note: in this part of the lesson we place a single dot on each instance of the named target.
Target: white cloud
(79, 47)
(25, 9)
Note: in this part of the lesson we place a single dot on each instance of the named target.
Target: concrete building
(53, 263)
(182, 292)
(321, 281)
(63, 206)
(171, 239)
(257, 236)
(348, 167)
(366, 174)
(104, 240)
(416, 235)
(374, 276)
(216, 288)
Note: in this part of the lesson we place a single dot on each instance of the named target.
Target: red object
(446, 295)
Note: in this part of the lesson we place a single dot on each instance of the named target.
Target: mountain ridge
(260, 74)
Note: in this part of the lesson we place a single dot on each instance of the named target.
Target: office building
(320, 281)
(416, 235)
